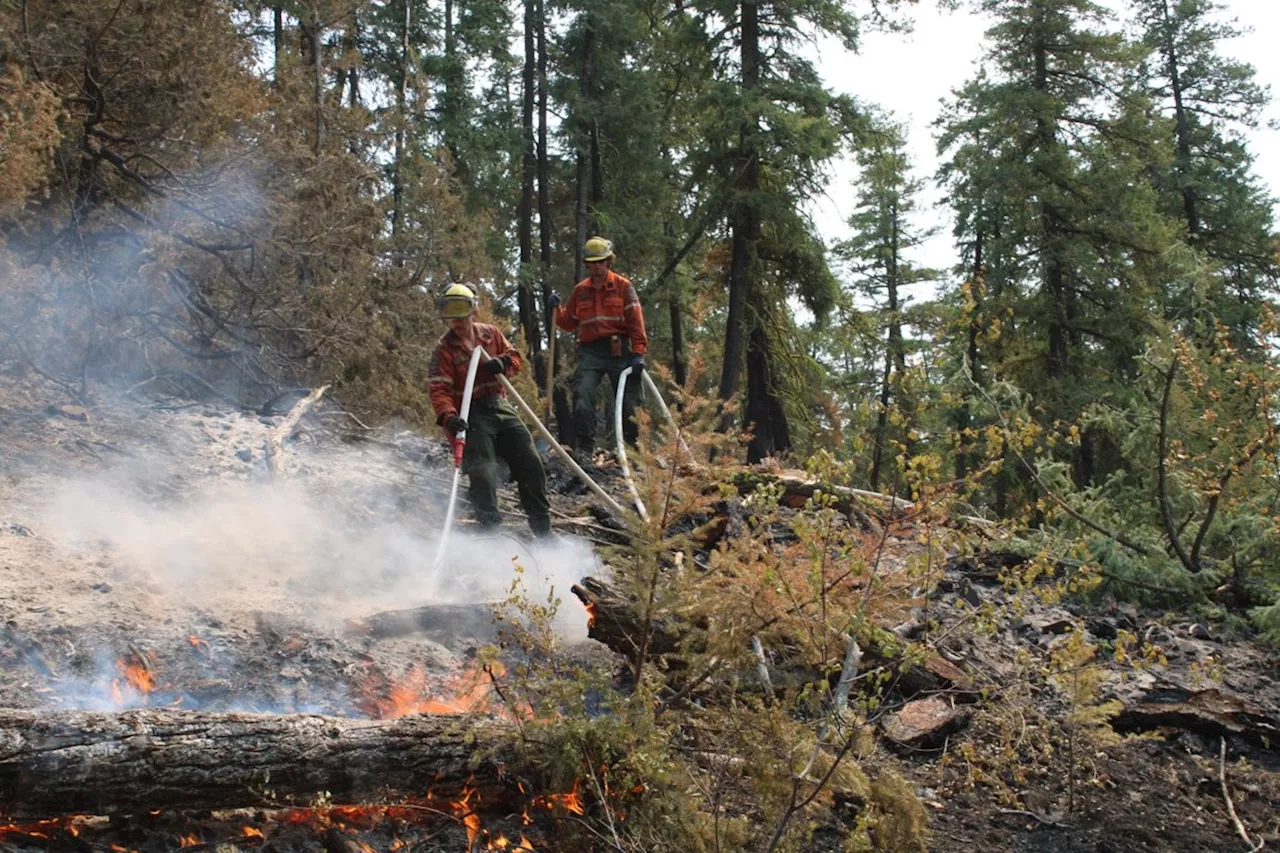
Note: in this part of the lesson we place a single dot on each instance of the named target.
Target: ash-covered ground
(148, 558)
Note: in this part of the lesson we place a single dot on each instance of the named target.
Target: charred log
(450, 620)
(72, 762)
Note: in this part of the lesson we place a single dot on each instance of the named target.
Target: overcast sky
(911, 73)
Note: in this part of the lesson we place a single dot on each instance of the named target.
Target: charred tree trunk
(585, 190)
(73, 762)
(770, 434)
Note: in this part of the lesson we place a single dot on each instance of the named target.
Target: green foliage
(689, 748)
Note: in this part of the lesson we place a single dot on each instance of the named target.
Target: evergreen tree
(1209, 184)
(880, 249)
(1048, 159)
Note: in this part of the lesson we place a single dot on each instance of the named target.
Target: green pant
(594, 361)
(495, 431)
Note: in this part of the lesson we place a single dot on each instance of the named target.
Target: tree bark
(277, 41)
(544, 175)
(76, 762)
(402, 96)
(524, 217)
(315, 46)
(1182, 126)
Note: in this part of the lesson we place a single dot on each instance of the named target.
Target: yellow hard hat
(597, 249)
(457, 301)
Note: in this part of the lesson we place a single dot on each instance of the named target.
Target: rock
(1200, 632)
(244, 455)
(924, 723)
(292, 673)
(19, 530)
(1053, 620)
(74, 413)
(101, 587)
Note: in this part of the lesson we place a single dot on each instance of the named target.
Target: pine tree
(1209, 184)
(1048, 158)
(884, 235)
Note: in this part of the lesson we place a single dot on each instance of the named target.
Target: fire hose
(621, 444)
(459, 445)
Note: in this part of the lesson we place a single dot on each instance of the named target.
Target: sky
(911, 73)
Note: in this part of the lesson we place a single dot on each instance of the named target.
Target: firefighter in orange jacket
(605, 312)
(493, 428)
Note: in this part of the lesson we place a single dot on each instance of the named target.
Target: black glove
(637, 364)
(494, 366)
(456, 424)
(553, 301)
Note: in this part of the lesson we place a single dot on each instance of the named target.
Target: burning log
(72, 762)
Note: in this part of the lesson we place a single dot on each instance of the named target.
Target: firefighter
(493, 428)
(605, 312)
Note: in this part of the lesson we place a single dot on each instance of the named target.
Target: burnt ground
(146, 531)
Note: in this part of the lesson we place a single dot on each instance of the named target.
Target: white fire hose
(621, 444)
(459, 446)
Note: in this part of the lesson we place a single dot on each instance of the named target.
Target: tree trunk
(544, 188)
(679, 364)
(1182, 129)
(277, 40)
(767, 420)
(316, 48)
(966, 460)
(524, 217)
(744, 220)
(75, 762)
(397, 169)
(583, 176)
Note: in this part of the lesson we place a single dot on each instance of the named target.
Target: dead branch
(275, 442)
(1231, 806)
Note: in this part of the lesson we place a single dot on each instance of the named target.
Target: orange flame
(40, 829)
(591, 613)
(198, 644)
(466, 692)
(136, 680)
(251, 832)
(570, 801)
(190, 840)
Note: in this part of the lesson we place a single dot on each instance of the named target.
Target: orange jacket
(612, 308)
(448, 372)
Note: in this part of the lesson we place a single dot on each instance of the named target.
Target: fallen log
(450, 620)
(1209, 712)
(54, 764)
(797, 488)
(615, 622)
